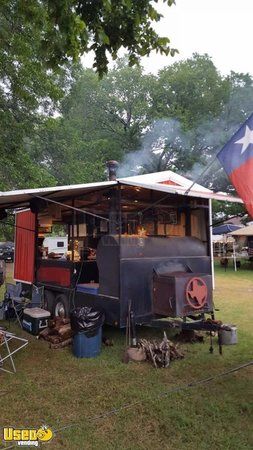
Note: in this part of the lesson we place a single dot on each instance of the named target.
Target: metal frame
(7, 337)
(38, 290)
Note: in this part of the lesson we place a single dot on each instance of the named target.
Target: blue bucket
(87, 347)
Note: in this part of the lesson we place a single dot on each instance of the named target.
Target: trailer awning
(174, 183)
(22, 198)
(166, 181)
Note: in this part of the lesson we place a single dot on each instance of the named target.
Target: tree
(191, 91)
(103, 26)
(74, 147)
(187, 97)
(165, 146)
(205, 109)
(39, 40)
(116, 118)
(28, 89)
(125, 97)
(100, 120)
(224, 210)
(216, 132)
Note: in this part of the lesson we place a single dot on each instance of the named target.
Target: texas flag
(237, 159)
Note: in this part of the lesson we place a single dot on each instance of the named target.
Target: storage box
(89, 288)
(35, 320)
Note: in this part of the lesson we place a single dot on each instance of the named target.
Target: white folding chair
(6, 353)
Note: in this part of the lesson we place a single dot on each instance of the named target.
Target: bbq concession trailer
(141, 242)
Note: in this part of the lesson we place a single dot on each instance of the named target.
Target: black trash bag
(86, 320)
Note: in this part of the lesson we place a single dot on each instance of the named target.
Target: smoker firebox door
(178, 294)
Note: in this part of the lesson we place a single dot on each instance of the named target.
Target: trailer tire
(49, 299)
(61, 306)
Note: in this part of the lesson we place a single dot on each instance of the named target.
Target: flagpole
(200, 176)
(211, 163)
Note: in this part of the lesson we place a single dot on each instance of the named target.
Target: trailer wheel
(61, 306)
(49, 299)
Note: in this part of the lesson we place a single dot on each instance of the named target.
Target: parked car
(7, 252)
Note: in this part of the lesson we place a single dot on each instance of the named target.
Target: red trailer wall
(24, 247)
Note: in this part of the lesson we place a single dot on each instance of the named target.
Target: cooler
(35, 320)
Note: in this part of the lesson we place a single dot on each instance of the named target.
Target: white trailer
(56, 244)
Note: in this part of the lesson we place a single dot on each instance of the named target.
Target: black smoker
(165, 276)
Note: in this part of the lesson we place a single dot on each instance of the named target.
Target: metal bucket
(228, 337)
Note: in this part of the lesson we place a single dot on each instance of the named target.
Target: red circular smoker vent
(196, 292)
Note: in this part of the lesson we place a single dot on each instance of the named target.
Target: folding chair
(18, 303)
(6, 353)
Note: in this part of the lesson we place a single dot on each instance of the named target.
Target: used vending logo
(27, 436)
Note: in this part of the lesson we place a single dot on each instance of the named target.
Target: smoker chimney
(112, 169)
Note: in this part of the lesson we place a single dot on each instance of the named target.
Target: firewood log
(45, 333)
(58, 323)
(160, 353)
(63, 328)
(65, 320)
(54, 339)
(62, 344)
(65, 331)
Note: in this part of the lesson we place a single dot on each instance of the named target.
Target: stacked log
(58, 333)
(160, 354)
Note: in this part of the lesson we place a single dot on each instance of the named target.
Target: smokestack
(112, 169)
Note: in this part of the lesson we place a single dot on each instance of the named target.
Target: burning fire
(141, 231)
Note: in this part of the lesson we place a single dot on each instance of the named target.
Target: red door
(24, 262)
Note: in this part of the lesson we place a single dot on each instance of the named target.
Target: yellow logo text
(24, 435)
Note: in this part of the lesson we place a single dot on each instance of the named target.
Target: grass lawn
(53, 387)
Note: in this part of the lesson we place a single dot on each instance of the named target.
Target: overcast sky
(221, 28)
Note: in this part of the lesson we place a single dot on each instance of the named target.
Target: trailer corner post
(120, 232)
(73, 228)
(234, 258)
(211, 241)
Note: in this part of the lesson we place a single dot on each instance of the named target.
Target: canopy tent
(222, 239)
(245, 231)
(246, 234)
(225, 228)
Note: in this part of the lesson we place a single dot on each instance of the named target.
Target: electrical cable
(46, 199)
(4, 222)
(176, 389)
(162, 394)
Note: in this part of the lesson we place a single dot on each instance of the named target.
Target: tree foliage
(39, 41)
(99, 120)
(29, 90)
(178, 120)
(103, 26)
(191, 91)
